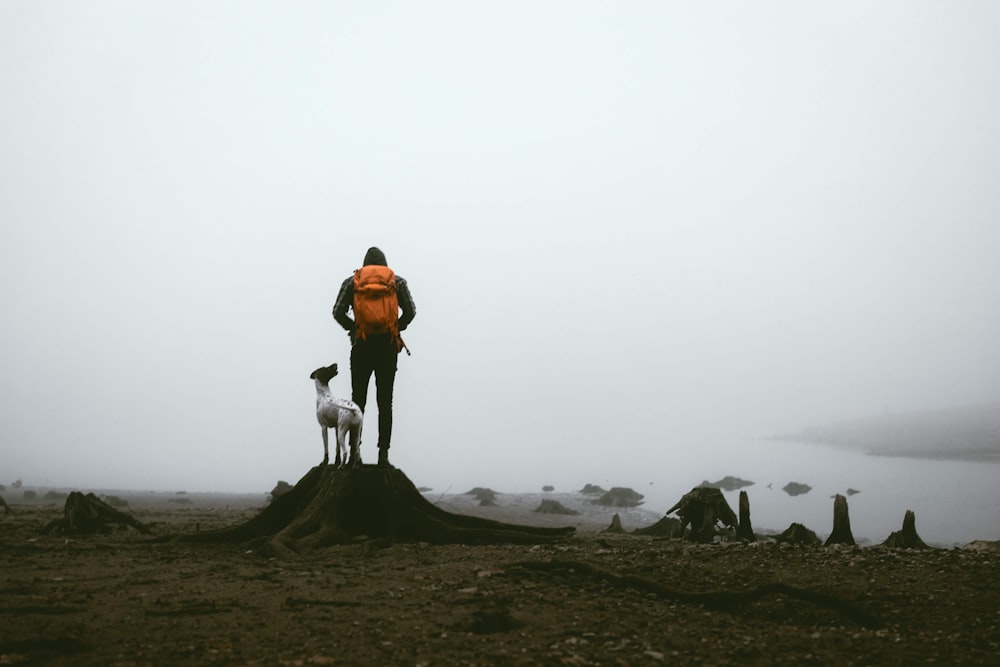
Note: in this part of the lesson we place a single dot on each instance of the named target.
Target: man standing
(382, 307)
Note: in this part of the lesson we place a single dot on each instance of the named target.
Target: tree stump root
(331, 506)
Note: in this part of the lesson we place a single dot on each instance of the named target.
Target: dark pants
(378, 355)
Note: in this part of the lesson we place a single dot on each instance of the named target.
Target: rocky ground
(594, 599)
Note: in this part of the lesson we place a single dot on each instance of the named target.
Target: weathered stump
(616, 525)
(796, 533)
(906, 538)
(745, 531)
(702, 508)
(3, 504)
(88, 514)
(841, 523)
(332, 505)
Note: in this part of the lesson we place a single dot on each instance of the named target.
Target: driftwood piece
(88, 514)
(745, 531)
(701, 508)
(906, 538)
(841, 523)
(332, 505)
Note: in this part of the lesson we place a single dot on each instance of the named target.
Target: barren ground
(120, 599)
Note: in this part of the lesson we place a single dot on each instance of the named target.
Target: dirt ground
(593, 599)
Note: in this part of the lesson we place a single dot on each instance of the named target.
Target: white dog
(340, 414)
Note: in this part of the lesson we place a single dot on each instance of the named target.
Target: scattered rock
(592, 489)
(620, 496)
(796, 488)
(55, 495)
(548, 488)
(727, 483)
(553, 507)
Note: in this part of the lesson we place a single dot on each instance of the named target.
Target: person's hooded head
(374, 256)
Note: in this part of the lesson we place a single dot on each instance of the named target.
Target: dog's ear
(333, 369)
(312, 376)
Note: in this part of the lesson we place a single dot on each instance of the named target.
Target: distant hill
(968, 433)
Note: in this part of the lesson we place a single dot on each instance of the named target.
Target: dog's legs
(342, 429)
(339, 459)
(326, 446)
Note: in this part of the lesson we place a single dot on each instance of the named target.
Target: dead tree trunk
(333, 506)
(841, 524)
(88, 514)
(906, 538)
(701, 508)
(745, 531)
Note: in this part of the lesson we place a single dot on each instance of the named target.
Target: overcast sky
(630, 228)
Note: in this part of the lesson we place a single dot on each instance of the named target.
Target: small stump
(841, 523)
(796, 533)
(616, 525)
(906, 538)
(745, 530)
(88, 514)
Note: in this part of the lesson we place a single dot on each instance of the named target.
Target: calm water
(955, 502)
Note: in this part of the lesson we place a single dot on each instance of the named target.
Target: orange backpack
(376, 306)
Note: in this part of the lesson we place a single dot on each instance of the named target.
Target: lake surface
(955, 502)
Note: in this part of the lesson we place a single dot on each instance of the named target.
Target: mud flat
(594, 598)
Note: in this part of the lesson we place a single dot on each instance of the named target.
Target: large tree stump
(88, 514)
(841, 524)
(745, 531)
(702, 508)
(906, 538)
(332, 505)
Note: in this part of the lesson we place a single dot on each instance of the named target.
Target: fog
(636, 233)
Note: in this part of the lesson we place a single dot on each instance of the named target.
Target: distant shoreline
(970, 434)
